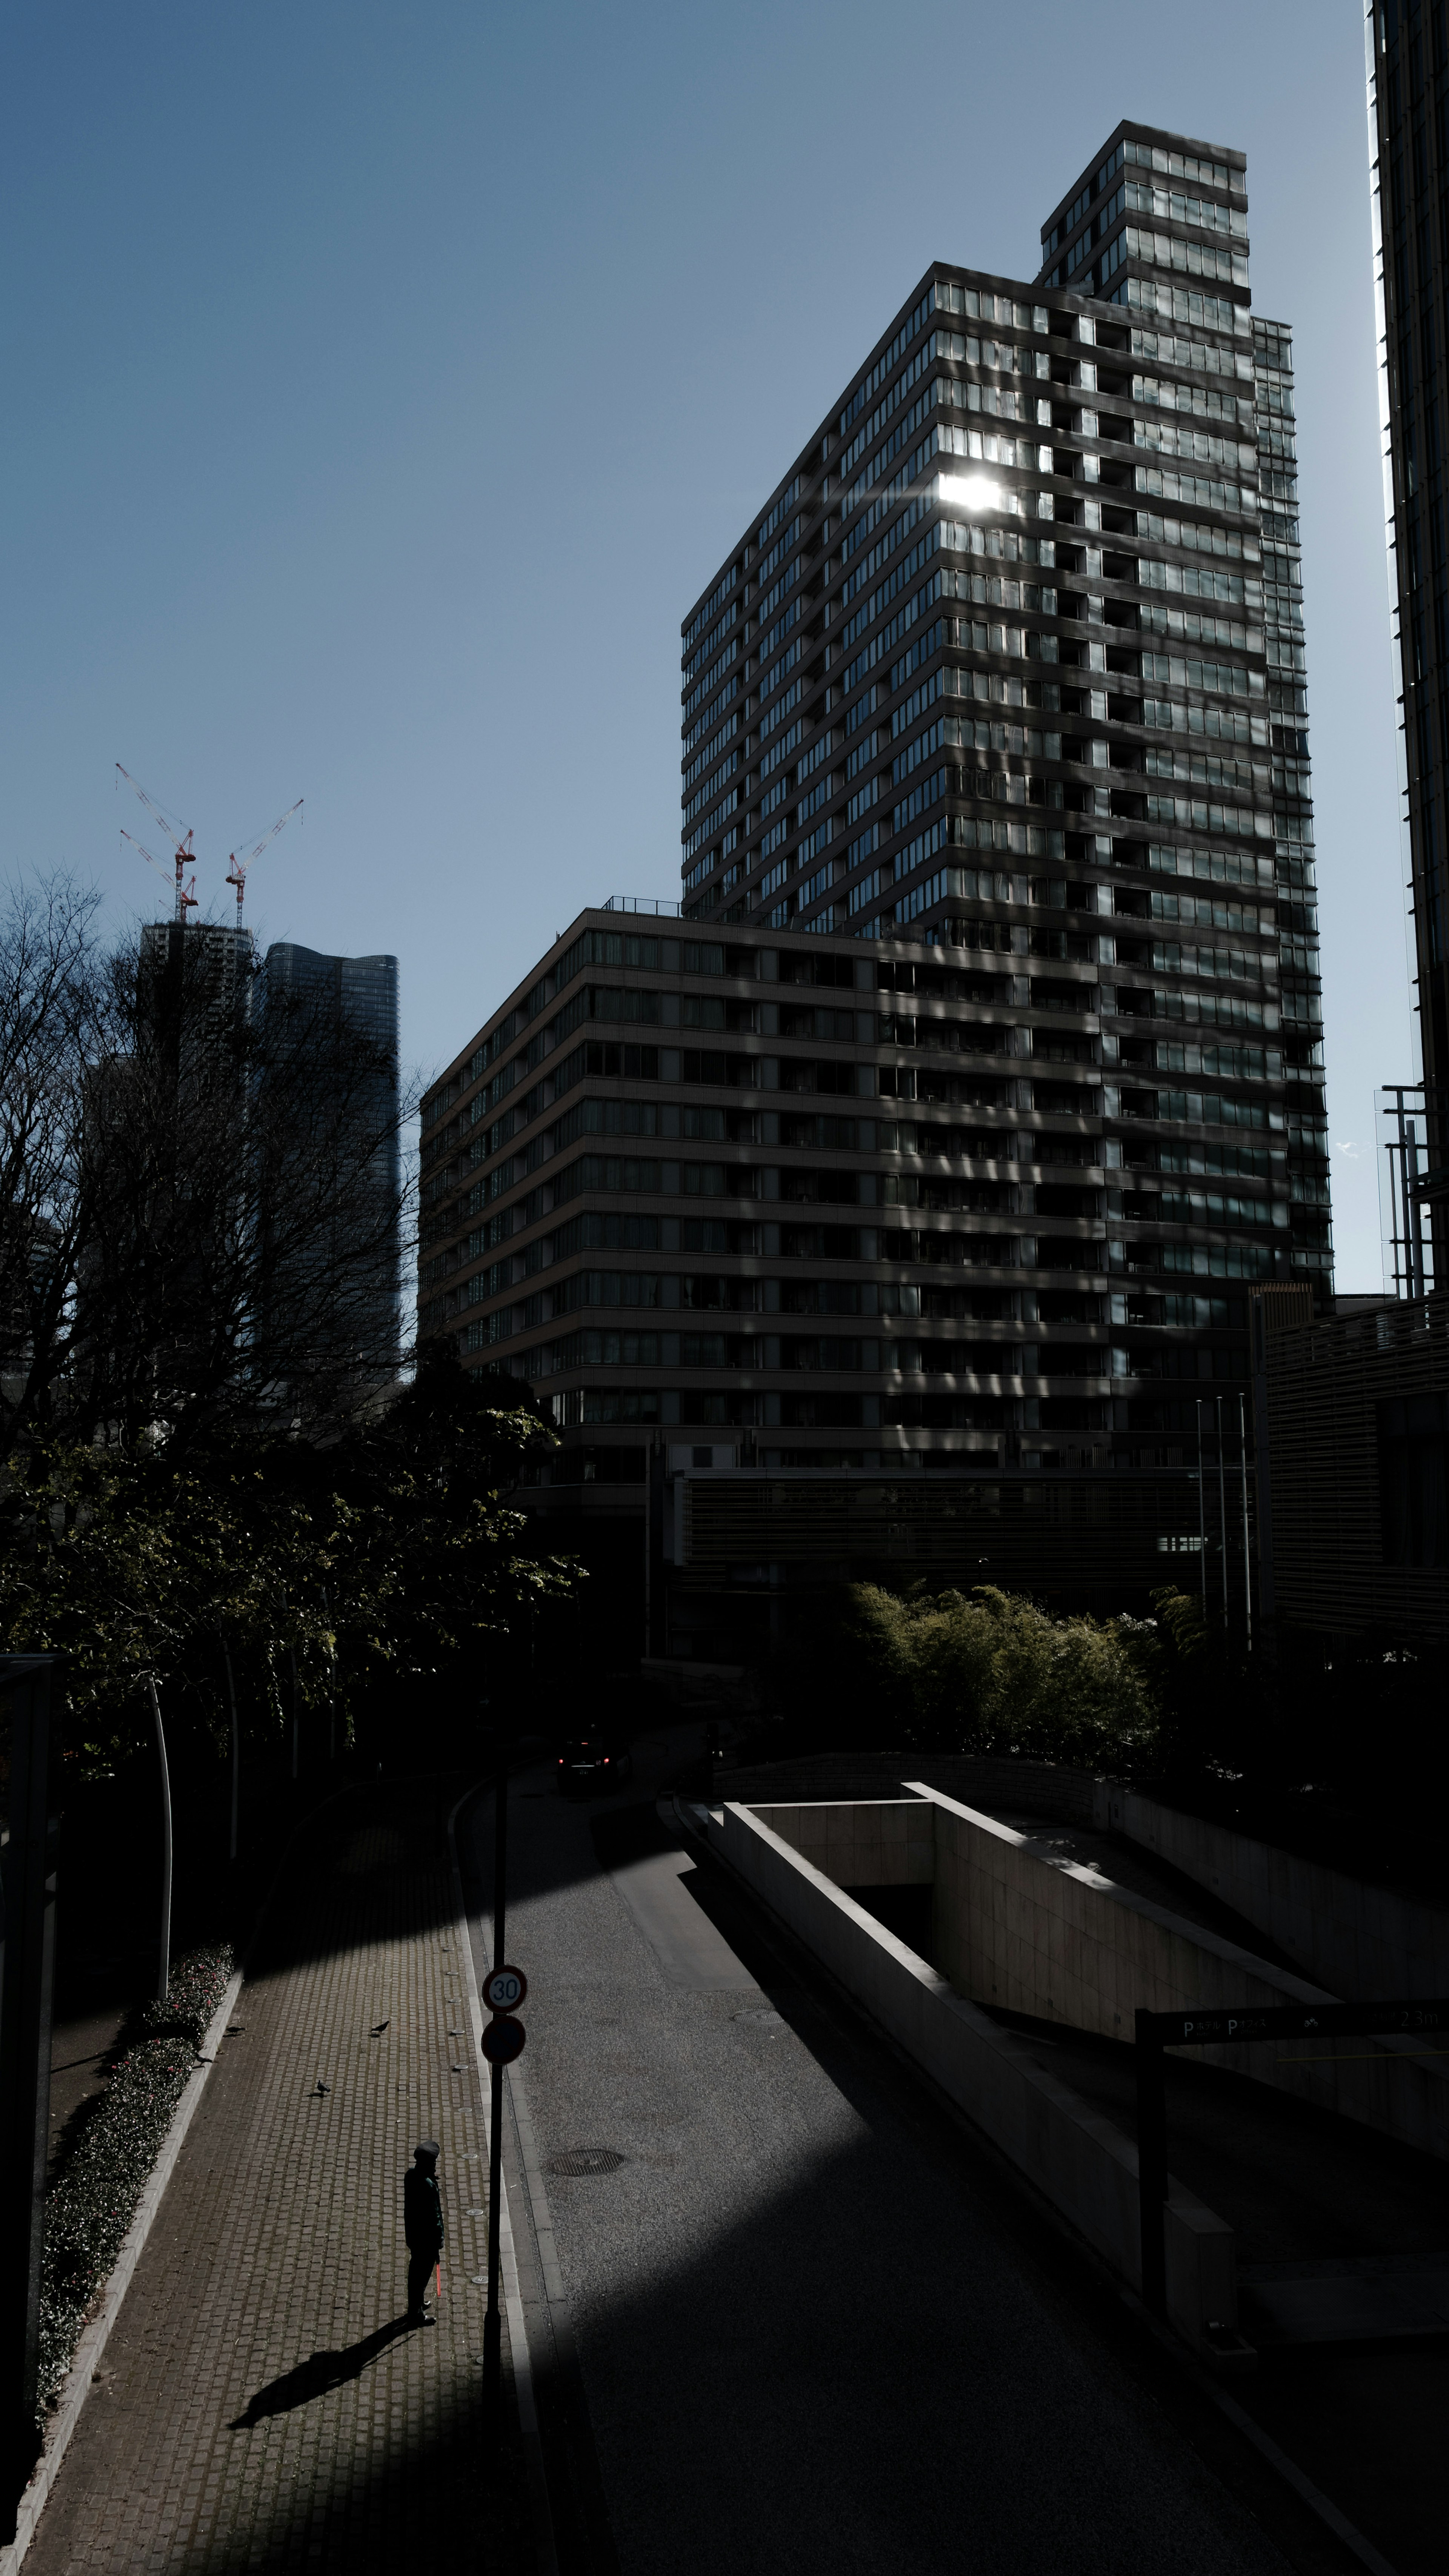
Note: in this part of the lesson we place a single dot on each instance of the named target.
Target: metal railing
(641, 903)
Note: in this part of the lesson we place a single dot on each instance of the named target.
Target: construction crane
(185, 855)
(236, 874)
(185, 896)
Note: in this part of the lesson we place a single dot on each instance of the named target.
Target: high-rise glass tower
(1408, 93)
(1010, 668)
(345, 1227)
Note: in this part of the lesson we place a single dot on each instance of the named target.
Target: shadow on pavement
(317, 2376)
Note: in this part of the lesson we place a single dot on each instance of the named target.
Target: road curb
(80, 2377)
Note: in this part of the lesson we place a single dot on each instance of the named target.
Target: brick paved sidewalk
(261, 2404)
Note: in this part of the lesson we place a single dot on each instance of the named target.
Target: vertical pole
(32, 1685)
(500, 1866)
(1201, 1516)
(1223, 1506)
(163, 1973)
(235, 1745)
(492, 2324)
(1247, 1560)
(1152, 2166)
(292, 1661)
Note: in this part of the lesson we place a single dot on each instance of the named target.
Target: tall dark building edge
(1407, 52)
(362, 992)
(993, 723)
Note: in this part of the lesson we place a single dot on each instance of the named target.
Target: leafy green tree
(392, 1550)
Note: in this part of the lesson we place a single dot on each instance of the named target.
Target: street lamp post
(163, 1973)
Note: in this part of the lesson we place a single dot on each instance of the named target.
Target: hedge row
(94, 2200)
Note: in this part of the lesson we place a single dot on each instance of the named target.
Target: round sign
(504, 1989)
(503, 2041)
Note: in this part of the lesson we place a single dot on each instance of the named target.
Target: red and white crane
(185, 855)
(236, 874)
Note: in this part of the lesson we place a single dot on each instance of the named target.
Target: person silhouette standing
(422, 2228)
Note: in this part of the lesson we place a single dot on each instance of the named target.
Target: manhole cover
(586, 2160)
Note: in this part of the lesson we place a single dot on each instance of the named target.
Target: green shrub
(94, 2200)
(195, 1988)
(990, 1672)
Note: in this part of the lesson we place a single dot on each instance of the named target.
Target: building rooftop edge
(673, 926)
(1130, 126)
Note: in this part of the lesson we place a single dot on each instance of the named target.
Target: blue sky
(385, 382)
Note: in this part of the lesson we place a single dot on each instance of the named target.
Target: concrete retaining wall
(1059, 1940)
(1080, 2162)
(1353, 1939)
(862, 1842)
(1062, 1942)
(1358, 1940)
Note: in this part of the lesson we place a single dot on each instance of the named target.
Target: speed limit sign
(504, 1989)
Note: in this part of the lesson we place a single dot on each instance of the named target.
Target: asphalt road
(799, 2325)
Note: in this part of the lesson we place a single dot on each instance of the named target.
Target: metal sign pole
(1247, 1560)
(1201, 1516)
(1223, 1507)
(492, 2322)
(32, 1684)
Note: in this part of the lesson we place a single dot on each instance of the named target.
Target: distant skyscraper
(354, 1241)
(1408, 86)
(221, 963)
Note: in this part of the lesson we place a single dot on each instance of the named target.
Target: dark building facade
(770, 1207)
(1353, 1418)
(1408, 83)
(951, 1125)
(1123, 709)
(337, 1019)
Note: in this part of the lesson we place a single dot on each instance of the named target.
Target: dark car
(588, 1764)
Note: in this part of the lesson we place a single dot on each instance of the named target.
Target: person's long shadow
(314, 2377)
